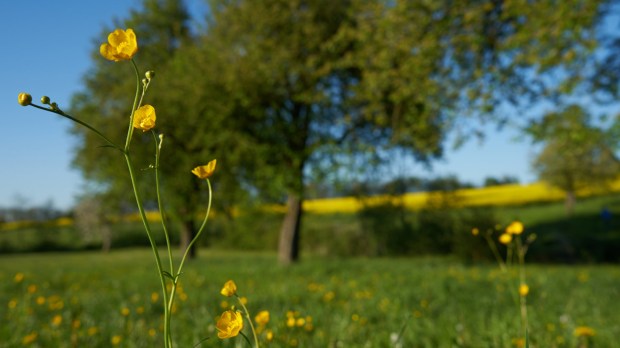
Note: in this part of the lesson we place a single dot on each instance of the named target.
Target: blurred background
(349, 128)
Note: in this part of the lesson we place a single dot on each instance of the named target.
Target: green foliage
(436, 302)
(276, 90)
(576, 153)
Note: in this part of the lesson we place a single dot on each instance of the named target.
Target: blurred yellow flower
(57, 320)
(269, 335)
(229, 324)
(523, 290)
(116, 340)
(515, 227)
(124, 311)
(144, 118)
(584, 331)
(229, 289)
(29, 338)
(18, 277)
(475, 231)
(154, 297)
(32, 288)
(262, 318)
(121, 45)
(92, 330)
(505, 238)
(24, 99)
(205, 171)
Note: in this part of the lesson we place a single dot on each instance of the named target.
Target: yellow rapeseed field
(513, 194)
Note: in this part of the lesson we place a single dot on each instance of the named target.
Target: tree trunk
(288, 249)
(569, 203)
(188, 232)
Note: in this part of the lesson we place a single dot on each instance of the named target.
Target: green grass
(422, 302)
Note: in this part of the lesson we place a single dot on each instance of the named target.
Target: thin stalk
(133, 108)
(167, 340)
(522, 299)
(204, 223)
(63, 114)
(495, 252)
(247, 315)
(180, 269)
(160, 204)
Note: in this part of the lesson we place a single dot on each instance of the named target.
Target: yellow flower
(205, 171)
(515, 227)
(505, 238)
(524, 290)
(57, 320)
(18, 277)
(121, 45)
(29, 338)
(584, 331)
(229, 289)
(262, 318)
(116, 340)
(144, 118)
(475, 231)
(24, 99)
(229, 324)
(269, 335)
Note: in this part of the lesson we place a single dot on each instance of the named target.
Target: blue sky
(46, 51)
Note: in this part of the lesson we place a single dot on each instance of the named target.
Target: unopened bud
(45, 99)
(54, 106)
(145, 81)
(24, 99)
(150, 74)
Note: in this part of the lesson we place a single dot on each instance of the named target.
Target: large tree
(576, 153)
(313, 78)
(278, 90)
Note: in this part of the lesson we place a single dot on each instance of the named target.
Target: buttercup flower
(505, 238)
(581, 331)
(523, 290)
(229, 324)
(515, 227)
(229, 289)
(144, 118)
(205, 171)
(24, 99)
(262, 318)
(121, 45)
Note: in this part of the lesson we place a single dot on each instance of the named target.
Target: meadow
(91, 299)
(73, 295)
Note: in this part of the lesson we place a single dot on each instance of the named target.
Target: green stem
(133, 108)
(63, 114)
(522, 278)
(493, 248)
(167, 336)
(247, 315)
(204, 223)
(180, 269)
(160, 204)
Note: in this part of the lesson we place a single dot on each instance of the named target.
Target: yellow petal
(204, 172)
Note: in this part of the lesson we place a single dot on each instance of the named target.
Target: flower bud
(45, 99)
(24, 99)
(150, 74)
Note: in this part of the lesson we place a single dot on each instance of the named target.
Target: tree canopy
(576, 153)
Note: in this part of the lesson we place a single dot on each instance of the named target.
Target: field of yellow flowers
(91, 299)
